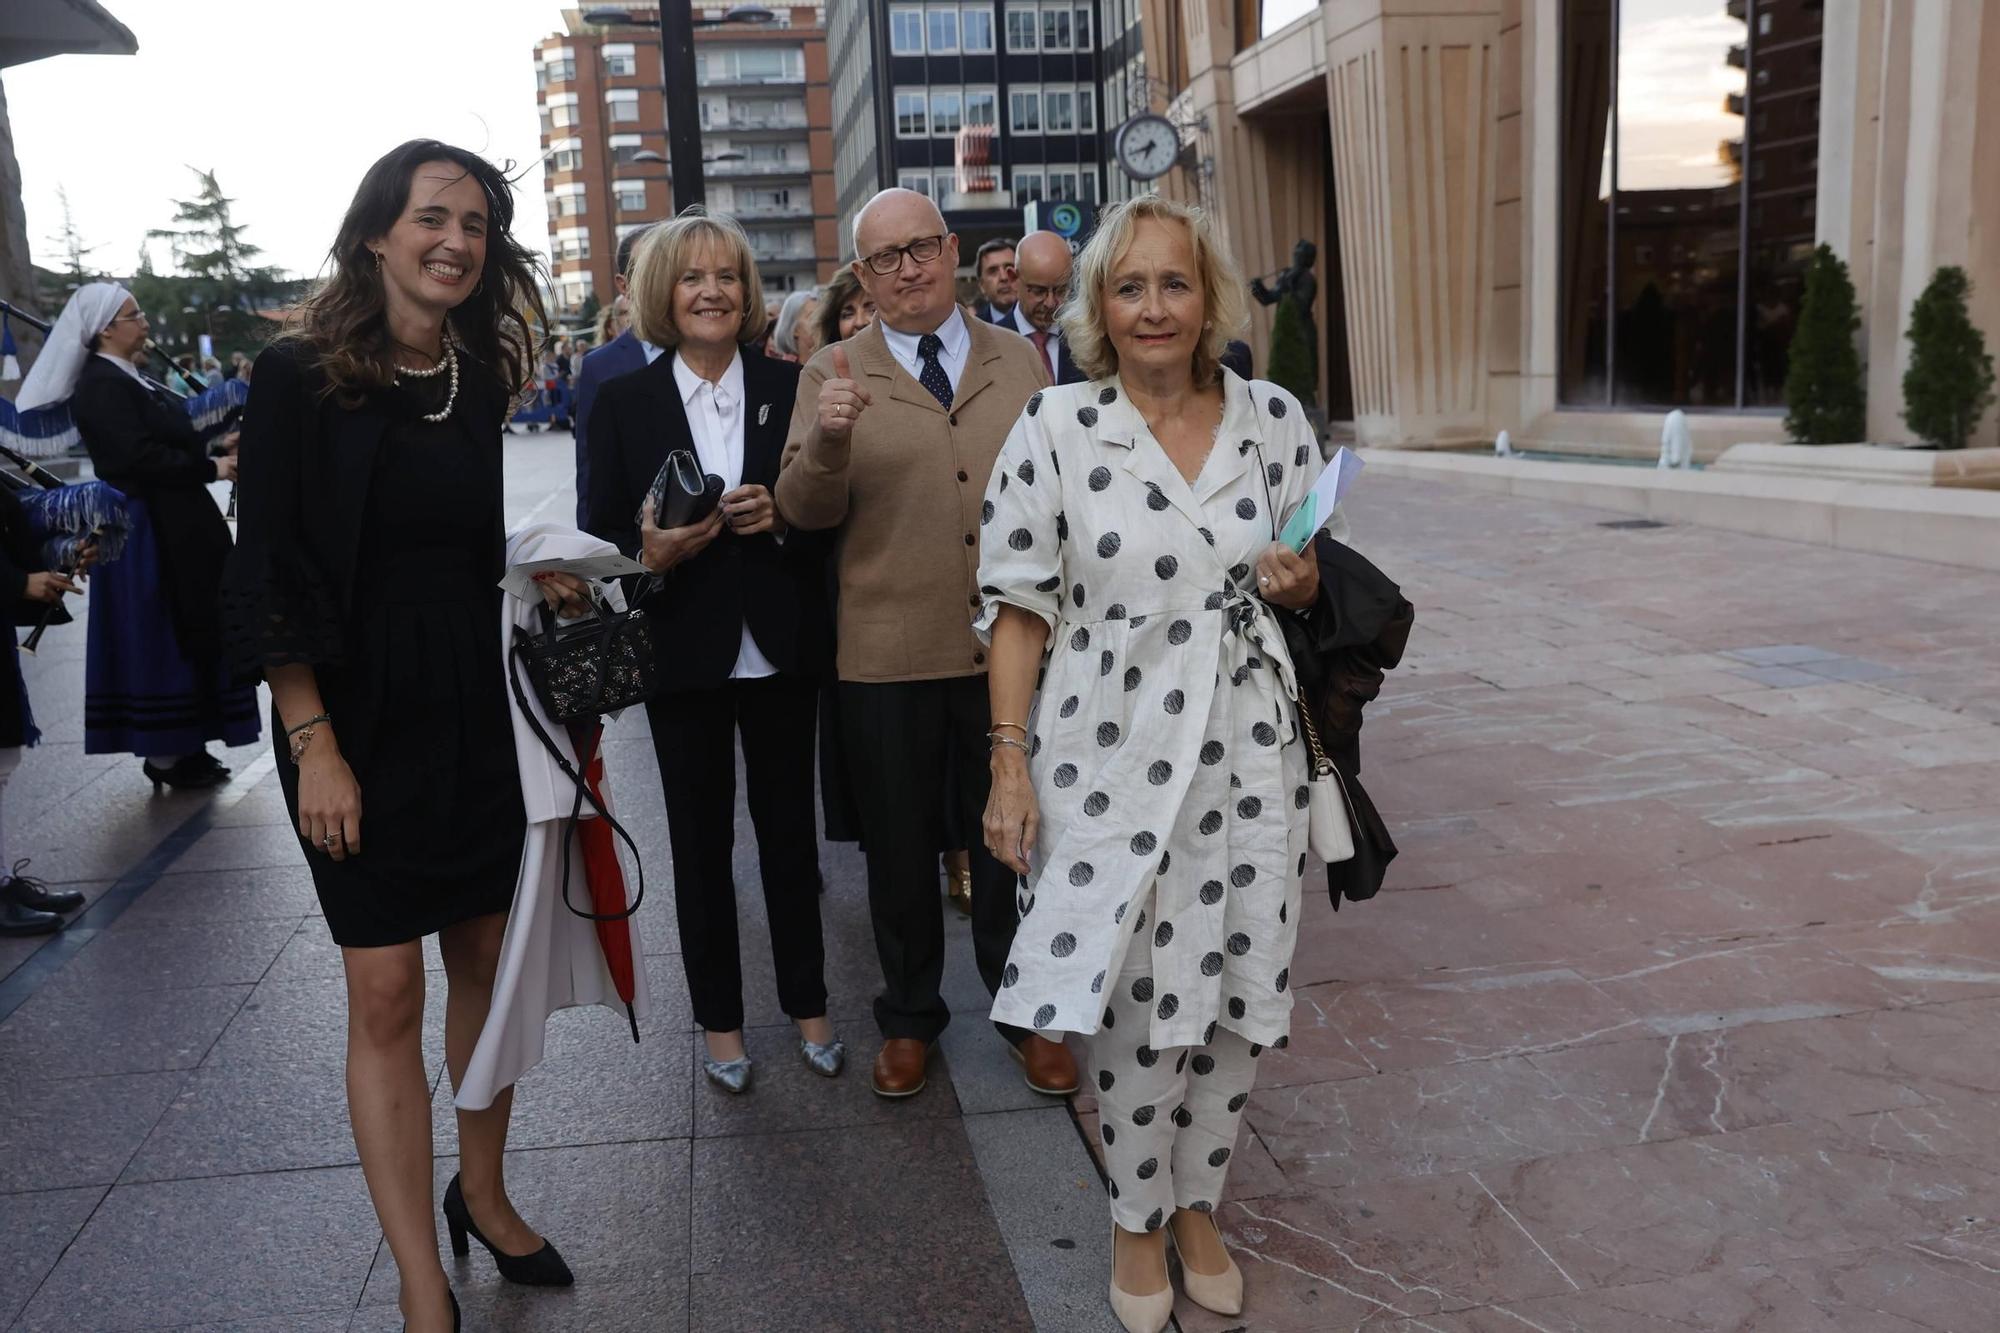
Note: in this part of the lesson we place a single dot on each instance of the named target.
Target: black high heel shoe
(543, 1268)
(193, 771)
(455, 1311)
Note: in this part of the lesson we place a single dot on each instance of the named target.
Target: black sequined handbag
(595, 666)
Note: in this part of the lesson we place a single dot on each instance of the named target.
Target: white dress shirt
(1053, 352)
(715, 419)
(957, 341)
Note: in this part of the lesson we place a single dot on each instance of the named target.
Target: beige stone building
(1562, 217)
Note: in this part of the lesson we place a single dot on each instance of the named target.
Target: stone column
(1412, 95)
(1937, 128)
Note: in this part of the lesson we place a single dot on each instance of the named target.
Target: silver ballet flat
(732, 1076)
(826, 1061)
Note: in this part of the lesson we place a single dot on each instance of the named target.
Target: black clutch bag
(682, 493)
(582, 671)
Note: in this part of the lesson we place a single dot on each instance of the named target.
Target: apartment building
(984, 105)
(766, 141)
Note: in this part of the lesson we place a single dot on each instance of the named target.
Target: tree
(209, 245)
(1291, 366)
(1825, 396)
(70, 241)
(1949, 384)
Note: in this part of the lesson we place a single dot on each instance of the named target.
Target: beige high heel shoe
(1140, 1314)
(1221, 1292)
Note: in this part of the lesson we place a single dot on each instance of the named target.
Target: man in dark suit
(994, 266)
(1045, 262)
(621, 356)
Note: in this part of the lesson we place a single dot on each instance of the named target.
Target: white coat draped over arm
(550, 958)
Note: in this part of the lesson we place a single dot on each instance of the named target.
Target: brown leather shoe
(899, 1069)
(1048, 1065)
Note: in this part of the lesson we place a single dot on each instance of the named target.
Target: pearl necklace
(448, 362)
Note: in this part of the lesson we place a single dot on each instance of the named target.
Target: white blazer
(550, 958)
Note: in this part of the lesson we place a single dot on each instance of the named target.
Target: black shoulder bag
(581, 672)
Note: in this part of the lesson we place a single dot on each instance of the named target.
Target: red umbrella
(604, 876)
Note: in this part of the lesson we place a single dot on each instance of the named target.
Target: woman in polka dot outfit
(1152, 794)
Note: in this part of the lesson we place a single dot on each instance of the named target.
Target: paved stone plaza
(1668, 1020)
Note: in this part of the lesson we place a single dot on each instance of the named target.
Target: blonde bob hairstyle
(1226, 307)
(666, 252)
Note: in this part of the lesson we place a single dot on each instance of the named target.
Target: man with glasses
(1045, 262)
(892, 443)
(994, 267)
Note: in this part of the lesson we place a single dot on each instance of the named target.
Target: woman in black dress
(364, 590)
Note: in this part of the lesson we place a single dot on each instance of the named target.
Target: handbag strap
(583, 794)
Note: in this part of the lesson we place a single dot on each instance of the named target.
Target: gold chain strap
(1319, 759)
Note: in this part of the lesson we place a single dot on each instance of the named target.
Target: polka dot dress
(1164, 753)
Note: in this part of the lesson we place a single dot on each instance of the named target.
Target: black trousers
(694, 736)
(902, 740)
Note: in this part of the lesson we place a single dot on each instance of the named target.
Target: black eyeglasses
(923, 250)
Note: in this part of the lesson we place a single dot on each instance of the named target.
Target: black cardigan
(20, 556)
(147, 447)
(306, 463)
(700, 609)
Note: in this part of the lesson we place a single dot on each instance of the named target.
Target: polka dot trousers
(1168, 1117)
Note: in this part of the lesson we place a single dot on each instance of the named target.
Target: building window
(561, 71)
(906, 31)
(623, 104)
(621, 60)
(1027, 185)
(976, 28)
(568, 159)
(1024, 110)
(1679, 287)
(920, 181)
(982, 106)
(1086, 109)
(1059, 110)
(631, 196)
(1082, 28)
(947, 114)
(1056, 34)
(569, 205)
(1087, 179)
(1062, 183)
(625, 147)
(562, 110)
(942, 29)
(1021, 29)
(912, 119)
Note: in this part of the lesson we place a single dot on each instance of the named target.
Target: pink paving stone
(1678, 1010)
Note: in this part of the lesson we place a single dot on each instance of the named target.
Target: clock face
(1147, 147)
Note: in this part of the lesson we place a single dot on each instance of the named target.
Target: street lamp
(676, 21)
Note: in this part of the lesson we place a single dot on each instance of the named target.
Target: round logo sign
(1065, 219)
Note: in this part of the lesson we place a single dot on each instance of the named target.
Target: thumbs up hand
(842, 399)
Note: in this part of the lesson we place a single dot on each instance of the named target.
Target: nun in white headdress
(154, 683)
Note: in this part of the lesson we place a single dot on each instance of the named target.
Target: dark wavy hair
(344, 322)
(843, 288)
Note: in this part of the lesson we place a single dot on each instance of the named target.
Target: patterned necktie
(1040, 339)
(933, 377)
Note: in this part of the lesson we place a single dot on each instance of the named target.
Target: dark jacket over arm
(700, 609)
(621, 356)
(1341, 652)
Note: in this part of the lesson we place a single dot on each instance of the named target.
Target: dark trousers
(694, 736)
(903, 740)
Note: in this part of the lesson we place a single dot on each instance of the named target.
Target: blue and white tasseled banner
(45, 432)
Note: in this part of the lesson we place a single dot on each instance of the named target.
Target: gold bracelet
(999, 741)
(1015, 725)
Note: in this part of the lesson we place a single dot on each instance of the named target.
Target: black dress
(414, 672)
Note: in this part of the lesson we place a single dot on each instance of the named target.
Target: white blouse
(715, 419)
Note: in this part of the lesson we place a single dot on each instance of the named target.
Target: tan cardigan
(904, 493)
